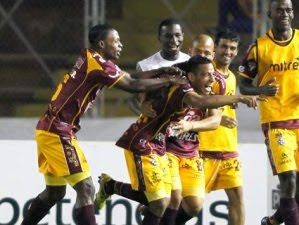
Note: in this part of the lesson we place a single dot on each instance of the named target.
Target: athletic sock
(36, 212)
(125, 190)
(169, 217)
(289, 211)
(85, 215)
(182, 217)
(150, 218)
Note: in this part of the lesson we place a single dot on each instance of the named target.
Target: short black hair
(168, 22)
(194, 61)
(98, 32)
(227, 33)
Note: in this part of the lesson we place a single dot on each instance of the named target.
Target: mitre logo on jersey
(284, 66)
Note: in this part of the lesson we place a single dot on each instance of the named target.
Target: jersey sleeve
(219, 86)
(248, 68)
(103, 71)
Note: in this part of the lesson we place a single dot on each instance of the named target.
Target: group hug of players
(184, 143)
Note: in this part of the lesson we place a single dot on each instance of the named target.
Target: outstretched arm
(175, 71)
(215, 101)
(127, 83)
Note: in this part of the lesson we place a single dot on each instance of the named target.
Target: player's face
(225, 51)
(203, 79)
(171, 38)
(112, 45)
(202, 49)
(281, 14)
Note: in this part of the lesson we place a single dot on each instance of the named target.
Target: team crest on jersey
(242, 69)
(279, 139)
(154, 162)
(142, 142)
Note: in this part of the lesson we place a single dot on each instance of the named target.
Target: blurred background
(41, 39)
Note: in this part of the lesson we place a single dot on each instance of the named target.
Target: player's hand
(172, 70)
(181, 127)
(252, 101)
(178, 80)
(270, 89)
(228, 122)
(147, 109)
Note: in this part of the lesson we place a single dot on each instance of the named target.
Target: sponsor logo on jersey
(285, 66)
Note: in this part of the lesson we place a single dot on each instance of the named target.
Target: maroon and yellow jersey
(185, 144)
(269, 58)
(147, 135)
(77, 92)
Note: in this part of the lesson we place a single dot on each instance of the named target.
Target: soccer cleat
(102, 196)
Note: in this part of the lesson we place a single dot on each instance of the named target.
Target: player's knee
(163, 203)
(195, 209)
(85, 188)
(159, 206)
(54, 194)
(193, 205)
(175, 200)
(287, 183)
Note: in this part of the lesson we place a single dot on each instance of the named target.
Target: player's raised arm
(127, 83)
(171, 71)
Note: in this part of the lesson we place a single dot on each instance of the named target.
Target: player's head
(105, 39)
(171, 37)
(226, 46)
(202, 45)
(281, 14)
(200, 73)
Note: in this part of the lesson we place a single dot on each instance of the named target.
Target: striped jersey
(147, 135)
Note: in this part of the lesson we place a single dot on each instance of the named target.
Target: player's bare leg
(84, 206)
(155, 211)
(236, 211)
(169, 216)
(189, 208)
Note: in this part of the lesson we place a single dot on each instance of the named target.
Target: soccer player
(170, 36)
(186, 166)
(144, 141)
(223, 151)
(273, 59)
(60, 158)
